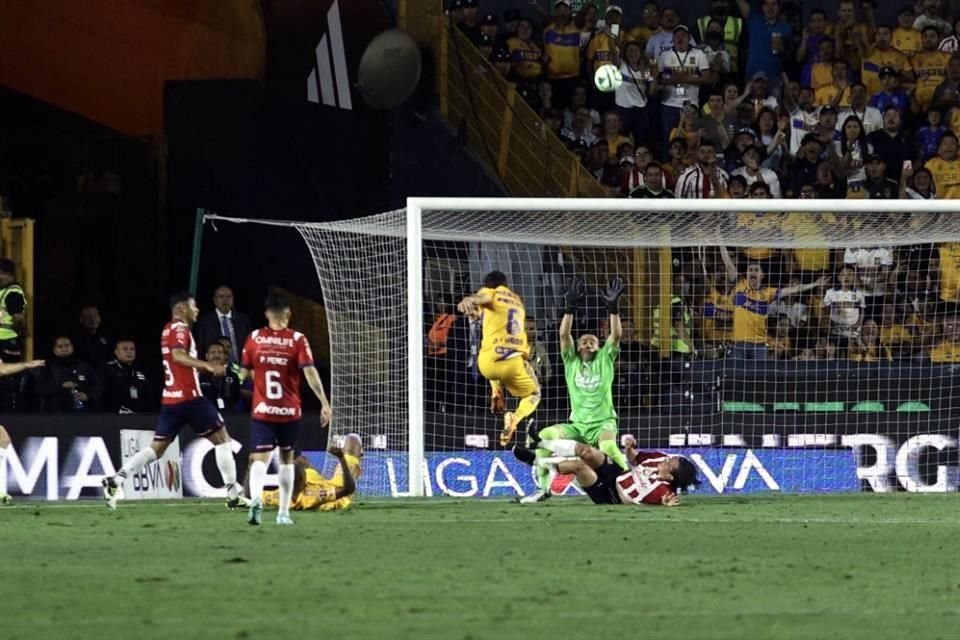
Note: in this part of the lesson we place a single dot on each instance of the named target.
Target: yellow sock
(527, 406)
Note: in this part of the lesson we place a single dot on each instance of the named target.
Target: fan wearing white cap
(682, 70)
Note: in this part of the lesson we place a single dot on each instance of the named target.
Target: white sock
(141, 459)
(565, 448)
(285, 478)
(258, 477)
(227, 466)
(3, 471)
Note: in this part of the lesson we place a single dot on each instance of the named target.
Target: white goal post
(379, 369)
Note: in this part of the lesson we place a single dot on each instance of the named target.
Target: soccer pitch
(851, 566)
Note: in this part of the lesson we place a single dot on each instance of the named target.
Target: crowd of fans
(837, 105)
(88, 370)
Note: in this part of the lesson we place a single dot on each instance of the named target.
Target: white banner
(159, 479)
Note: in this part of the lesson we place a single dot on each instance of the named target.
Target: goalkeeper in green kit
(589, 371)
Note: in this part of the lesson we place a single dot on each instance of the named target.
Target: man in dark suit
(224, 320)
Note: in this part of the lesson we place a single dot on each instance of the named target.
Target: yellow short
(515, 374)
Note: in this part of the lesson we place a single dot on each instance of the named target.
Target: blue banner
(498, 474)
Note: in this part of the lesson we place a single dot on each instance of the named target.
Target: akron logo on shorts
(588, 381)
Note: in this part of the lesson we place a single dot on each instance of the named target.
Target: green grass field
(857, 566)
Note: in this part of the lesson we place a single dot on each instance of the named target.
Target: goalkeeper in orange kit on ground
(313, 492)
(504, 352)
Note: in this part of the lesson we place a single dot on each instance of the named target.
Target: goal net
(812, 350)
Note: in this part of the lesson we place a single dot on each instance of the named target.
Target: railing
(16, 243)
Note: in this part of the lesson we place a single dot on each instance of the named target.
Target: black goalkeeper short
(604, 490)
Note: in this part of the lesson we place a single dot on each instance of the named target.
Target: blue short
(264, 436)
(199, 413)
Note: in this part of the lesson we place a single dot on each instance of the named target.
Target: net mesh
(816, 352)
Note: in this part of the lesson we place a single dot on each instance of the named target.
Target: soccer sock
(285, 479)
(526, 407)
(560, 447)
(543, 471)
(3, 470)
(227, 466)
(258, 477)
(140, 459)
(610, 448)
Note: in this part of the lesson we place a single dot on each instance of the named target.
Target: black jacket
(223, 392)
(95, 348)
(208, 329)
(126, 389)
(57, 399)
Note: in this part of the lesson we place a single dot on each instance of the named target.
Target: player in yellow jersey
(313, 492)
(945, 168)
(504, 352)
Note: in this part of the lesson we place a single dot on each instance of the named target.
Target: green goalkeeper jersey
(590, 384)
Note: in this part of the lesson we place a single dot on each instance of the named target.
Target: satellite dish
(389, 69)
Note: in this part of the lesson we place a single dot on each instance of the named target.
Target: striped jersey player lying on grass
(654, 478)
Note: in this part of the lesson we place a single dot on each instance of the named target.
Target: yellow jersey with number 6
(504, 318)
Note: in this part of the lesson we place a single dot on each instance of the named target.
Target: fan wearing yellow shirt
(601, 49)
(837, 93)
(751, 303)
(930, 68)
(561, 47)
(883, 55)
(852, 37)
(525, 55)
(948, 351)
(504, 352)
(945, 167)
(906, 39)
(313, 492)
(949, 254)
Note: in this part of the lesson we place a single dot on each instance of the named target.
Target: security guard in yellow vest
(681, 326)
(732, 29)
(13, 304)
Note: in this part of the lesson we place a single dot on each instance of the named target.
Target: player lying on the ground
(312, 492)
(183, 403)
(9, 369)
(275, 355)
(589, 370)
(655, 478)
(504, 352)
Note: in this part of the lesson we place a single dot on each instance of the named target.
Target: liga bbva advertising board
(161, 478)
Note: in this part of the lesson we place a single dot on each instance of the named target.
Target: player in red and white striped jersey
(654, 478)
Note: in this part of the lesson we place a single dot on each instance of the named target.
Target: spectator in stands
(894, 335)
(819, 72)
(882, 56)
(808, 51)
(679, 160)
(754, 174)
(13, 305)
(526, 55)
(837, 93)
(554, 120)
(872, 268)
(772, 136)
(852, 149)
(602, 48)
(632, 97)
(68, 384)
(867, 347)
(721, 64)
(847, 306)
(948, 350)
(930, 67)
(870, 117)
(586, 23)
(878, 185)
(579, 99)
(760, 96)
(485, 45)
(612, 133)
(597, 157)
(222, 391)
(502, 61)
(945, 168)
(751, 301)
(581, 129)
(891, 94)
(906, 39)
(511, 23)
(804, 171)
(455, 10)
(930, 19)
(650, 16)
(916, 185)
(733, 155)
(951, 43)
(892, 143)
(829, 186)
(224, 320)
(929, 136)
(705, 179)
(729, 29)
(681, 72)
(681, 327)
(768, 37)
(780, 344)
(127, 388)
(803, 117)
(90, 342)
(653, 184)
(561, 46)
(713, 122)
(737, 187)
(688, 128)
(852, 38)
(470, 25)
(662, 41)
(791, 308)
(949, 87)
(490, 27)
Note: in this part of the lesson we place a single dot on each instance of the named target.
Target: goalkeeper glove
(612, 296)
(574, 294)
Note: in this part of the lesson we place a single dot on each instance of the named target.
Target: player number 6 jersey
(276, 358)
